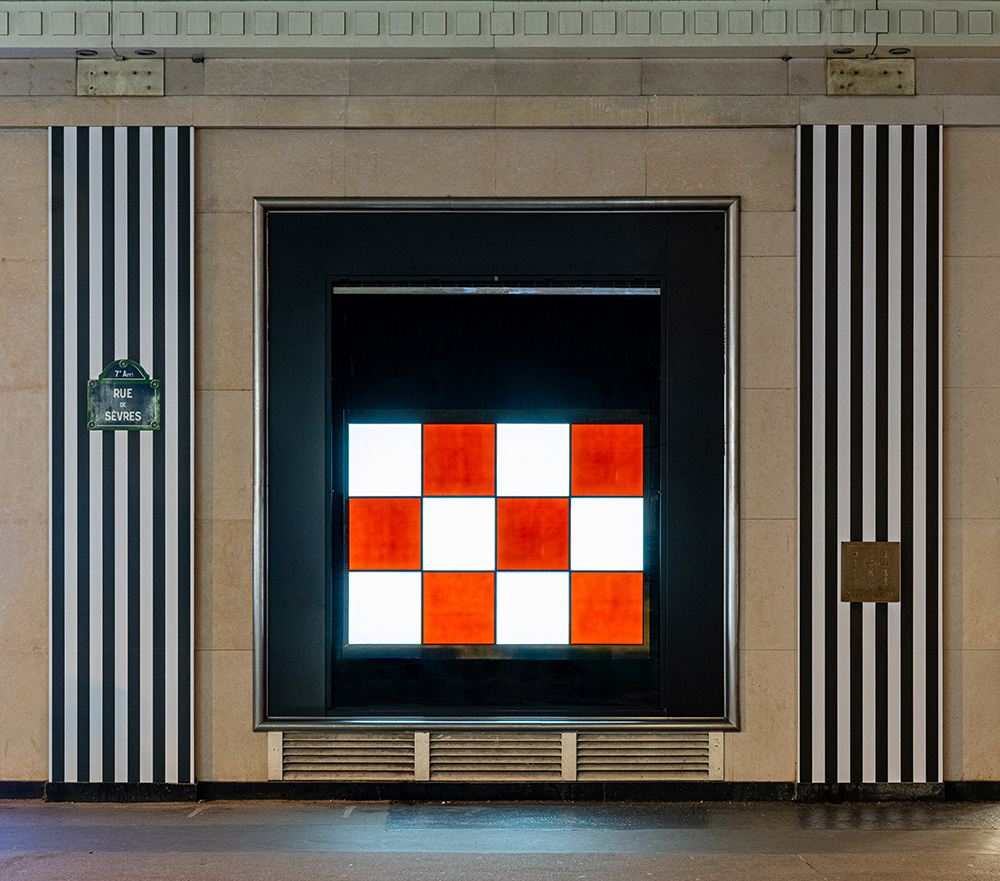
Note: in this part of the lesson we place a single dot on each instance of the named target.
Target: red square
(606, 608)
(533, 534)
(459, 608)
(459, 460)
(607, 460)
(383, 534)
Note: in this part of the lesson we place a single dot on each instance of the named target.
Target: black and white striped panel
(869, 449)
(120, 501)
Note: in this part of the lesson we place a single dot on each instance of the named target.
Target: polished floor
(295, 841)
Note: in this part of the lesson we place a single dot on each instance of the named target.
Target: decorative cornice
(427, 28)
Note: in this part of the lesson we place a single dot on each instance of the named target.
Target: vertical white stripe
(868, 692)
(72, 421)
(122, 221)
(819, 456)
(939, 391)
(146, 459)
(920, 383)
(189, 441)
(867, 720)
(121, 464)
(800, 270)
(896, 441)
(170, 380)
(96, 469)
(868, 341)
(844, 447)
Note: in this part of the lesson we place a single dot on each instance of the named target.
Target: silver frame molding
(261, 720)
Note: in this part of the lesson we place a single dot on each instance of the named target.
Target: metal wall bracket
(870, 76)
(98, 77)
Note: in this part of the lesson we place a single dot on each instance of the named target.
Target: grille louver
(650, 756)
(367, 755)
(495, 756)
(500, 756)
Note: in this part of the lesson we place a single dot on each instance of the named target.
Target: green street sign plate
(123, 397)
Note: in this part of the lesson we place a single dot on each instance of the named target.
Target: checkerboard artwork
(495, 534)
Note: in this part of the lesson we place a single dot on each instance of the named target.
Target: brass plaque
(869, 571)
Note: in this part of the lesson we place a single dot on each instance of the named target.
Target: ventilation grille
(495, 756)
(501, 756)
(367, 755)
(649, 756)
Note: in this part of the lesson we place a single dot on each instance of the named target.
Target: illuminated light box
(533, 608)
(606, 534)
(523, 534)
(533, 460)
(459, 534)
(533, 533)
(459, 460)
(607, 608)
(384, 461)
(607, 460)
(385, 534)
(384, 608)
(459, 608)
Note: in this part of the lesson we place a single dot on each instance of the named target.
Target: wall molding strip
(869, 213)
(121, 502)
(453, 28)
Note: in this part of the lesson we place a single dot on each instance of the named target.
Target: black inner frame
(683, 253)
(494, 357)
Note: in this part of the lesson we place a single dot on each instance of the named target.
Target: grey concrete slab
(214, 841)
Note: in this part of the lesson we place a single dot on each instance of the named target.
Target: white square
(532, 460)
(459, 534)
(532, 608)
(384, 460)
(383, 608)
(605, 535)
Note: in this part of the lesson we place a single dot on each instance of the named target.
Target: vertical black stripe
(58, 466)
(831, 443)
(134, 618)
(881, 441)
(906, 460)
(159, 470)
(857, 435)
(881, 333)
(184, 454)
(931, 475)
(108, 452)
(82, 476)
(805, 449)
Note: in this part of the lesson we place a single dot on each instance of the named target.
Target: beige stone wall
(971, 453)
(24, 483)
(499, 129)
